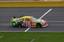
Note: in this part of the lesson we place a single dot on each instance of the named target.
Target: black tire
(13, 25)
(20, 24)
(16, 25)
(38, 25)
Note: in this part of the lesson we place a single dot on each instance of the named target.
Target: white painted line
(32, 40)
(45, 13)
(26, 29)
(40, 18)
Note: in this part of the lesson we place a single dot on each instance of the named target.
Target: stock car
(28, 21)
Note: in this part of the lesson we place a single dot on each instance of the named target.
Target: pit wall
(32, 4)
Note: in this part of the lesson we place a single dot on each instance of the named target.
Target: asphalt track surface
(55, 19)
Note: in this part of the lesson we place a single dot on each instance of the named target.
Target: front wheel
(38, 25)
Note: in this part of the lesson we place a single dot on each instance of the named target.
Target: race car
(28, 21)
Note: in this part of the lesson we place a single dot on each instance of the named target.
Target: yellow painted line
(31, 4)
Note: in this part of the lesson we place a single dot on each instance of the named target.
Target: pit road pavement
(55, 19)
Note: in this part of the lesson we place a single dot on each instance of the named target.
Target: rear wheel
(20, 24)
(14, 24)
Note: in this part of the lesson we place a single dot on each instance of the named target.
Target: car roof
(26, 17)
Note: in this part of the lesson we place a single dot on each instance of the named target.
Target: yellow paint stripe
(31, 4)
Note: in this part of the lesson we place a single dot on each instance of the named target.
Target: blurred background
(31, 0)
